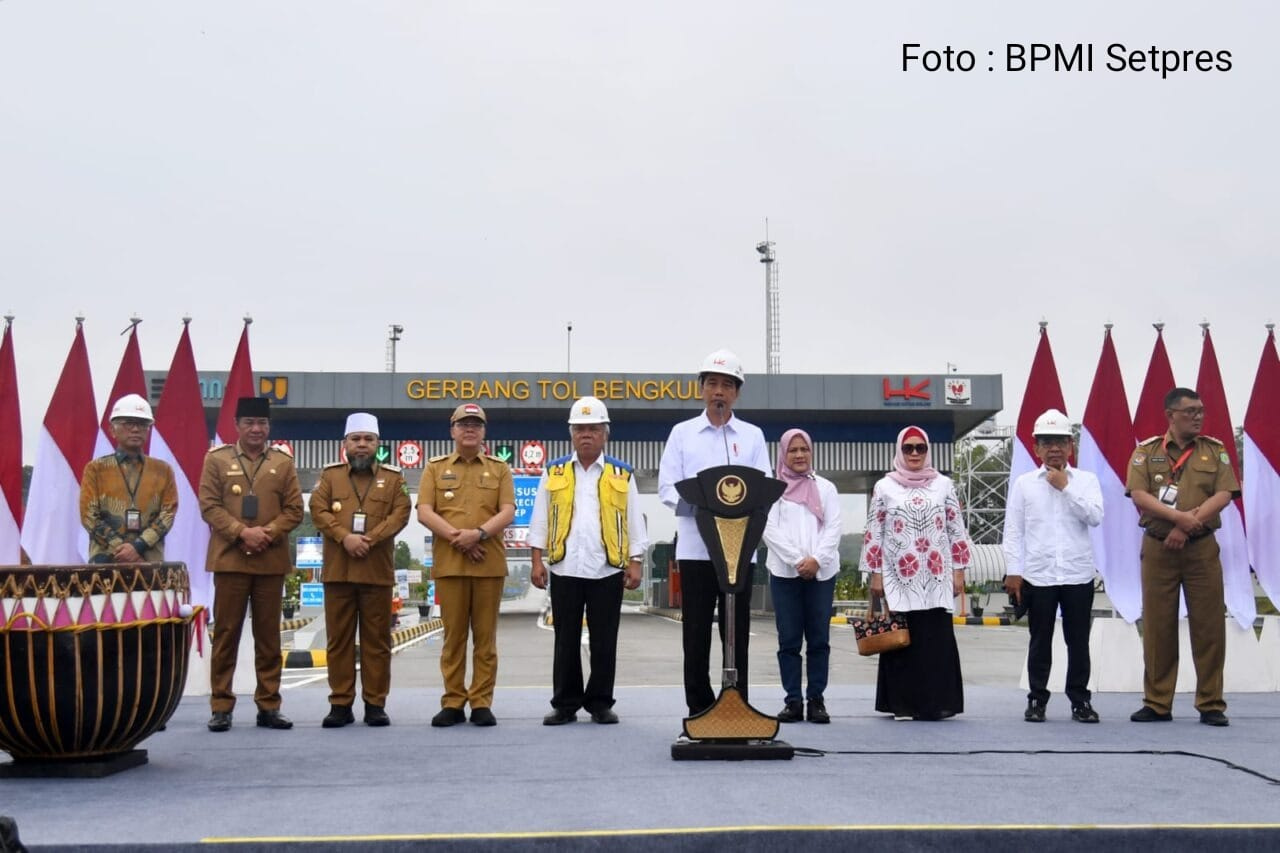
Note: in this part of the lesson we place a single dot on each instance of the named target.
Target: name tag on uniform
(249, 507)
(358, 522)
(132, 520)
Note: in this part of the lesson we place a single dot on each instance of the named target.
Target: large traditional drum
(92, 660)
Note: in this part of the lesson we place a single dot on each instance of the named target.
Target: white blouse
(915, 539)
(793, 533)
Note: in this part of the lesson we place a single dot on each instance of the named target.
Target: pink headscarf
(904, 476)
(801, 488)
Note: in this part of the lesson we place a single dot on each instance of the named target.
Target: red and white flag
(1043, 392)
(181, 438)
(1236, 581)
(52, 532)
(129, 380)
(1149, 419)
(1106, 445)
(1262, 470)
(10, 454)
(239, 384)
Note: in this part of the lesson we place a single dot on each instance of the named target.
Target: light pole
(568, 348)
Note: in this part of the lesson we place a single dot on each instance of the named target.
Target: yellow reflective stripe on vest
(613, 490)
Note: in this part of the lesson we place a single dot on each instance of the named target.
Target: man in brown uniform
(359, 506)
(128, 500)
(467, 499)
(251, 499)
(1180, 481)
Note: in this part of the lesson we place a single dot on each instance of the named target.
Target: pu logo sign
(275, 389)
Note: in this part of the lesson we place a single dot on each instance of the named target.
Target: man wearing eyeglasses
(128, 500)
(467, 499)
(251, 499)
(1050, 565)
(1180, 482)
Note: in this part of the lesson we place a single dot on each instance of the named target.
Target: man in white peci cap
(358, 506)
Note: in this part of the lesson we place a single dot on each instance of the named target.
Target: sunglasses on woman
(909, 449)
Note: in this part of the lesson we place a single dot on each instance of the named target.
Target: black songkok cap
(253, 407)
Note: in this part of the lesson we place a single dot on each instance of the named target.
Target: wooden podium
(731, 507)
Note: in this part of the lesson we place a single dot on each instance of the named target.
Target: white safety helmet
(1052, 422)
(588, 410)
(724, 362)
(132, 406)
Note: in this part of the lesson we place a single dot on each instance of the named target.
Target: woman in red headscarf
(803, 537)
(916, 549)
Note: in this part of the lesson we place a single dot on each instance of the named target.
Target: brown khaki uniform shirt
(335, 501)
(1206, 472)
(467, 494)
(223, 486)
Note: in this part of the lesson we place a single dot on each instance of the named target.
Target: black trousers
(602, 600)
(1076, 601)
(701, 596)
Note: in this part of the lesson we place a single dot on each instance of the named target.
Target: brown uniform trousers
(242, 581)
(467, 494)
(357, 590)
(1195, 571)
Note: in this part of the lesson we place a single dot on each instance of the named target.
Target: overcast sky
(483, 172)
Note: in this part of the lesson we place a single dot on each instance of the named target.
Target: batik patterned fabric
(916, 539)
(104, 502)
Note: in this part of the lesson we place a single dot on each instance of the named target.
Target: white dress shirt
(1046, 531)
(695, 445)
(794, 533)
(584, 555)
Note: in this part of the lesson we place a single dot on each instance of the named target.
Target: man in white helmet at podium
(714, 437)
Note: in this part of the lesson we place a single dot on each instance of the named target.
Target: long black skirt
(923, 680)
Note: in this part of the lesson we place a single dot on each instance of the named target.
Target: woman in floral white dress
(916, 548)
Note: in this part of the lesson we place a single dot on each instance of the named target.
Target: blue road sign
(526, 488)
(313, 595)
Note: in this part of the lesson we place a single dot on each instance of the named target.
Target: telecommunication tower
(772, 318)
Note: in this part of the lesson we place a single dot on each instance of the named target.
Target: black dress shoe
(1084, 713)
(338, 716)
(483, 717)
(273, 720)
(448, 717)
(1035, 711)
(220, 721)
(1214, 718)
(375, 715)
(792, 713)
(1146, 714)
(605, 716)
(559, 717)
(818, 711)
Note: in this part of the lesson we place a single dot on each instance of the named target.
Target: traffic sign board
(383, 454)
(409, 454)
(312, 595)
(526, 489)
(533, 454)
(505, 452)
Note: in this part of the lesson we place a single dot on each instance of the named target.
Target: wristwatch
(484, 534)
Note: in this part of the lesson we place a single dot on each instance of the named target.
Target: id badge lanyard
(359, 519)
(249, 503)
(132, 516)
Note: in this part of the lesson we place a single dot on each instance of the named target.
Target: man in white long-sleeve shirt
(1050, 563)
(587, 526)
(714, 437)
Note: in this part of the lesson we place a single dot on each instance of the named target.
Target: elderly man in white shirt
(714, 437)
(586, 524)
(1050, 563)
